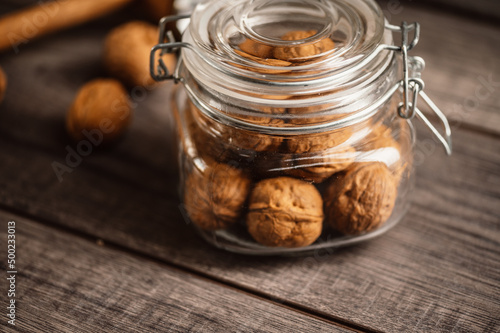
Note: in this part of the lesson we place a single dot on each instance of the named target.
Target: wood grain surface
(69, 284)
(438, 271)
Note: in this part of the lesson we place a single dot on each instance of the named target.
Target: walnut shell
(362, 199)
(101, 105)
(256, 49)
(309, 143)
(380, 145)
(302, 52)
(223, 137)
(285, 212)
(214, 197)
(321, 165)
(126, 53)
(203, 133)
(248, 140)
(267, 61)
(3, 84)
(316, 157)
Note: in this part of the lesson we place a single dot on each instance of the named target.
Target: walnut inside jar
(316, 157)
(305, 51)
(285, 212)
(204, 133)
(361, 199)
(380, 145)
(256, 49)
(214, 195)
(224, 138)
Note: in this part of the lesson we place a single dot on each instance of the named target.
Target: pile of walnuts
(287, 190)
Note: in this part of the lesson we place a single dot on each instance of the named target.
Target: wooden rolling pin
(27, 24)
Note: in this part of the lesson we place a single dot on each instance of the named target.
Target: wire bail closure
(408, 109)
(166, 44)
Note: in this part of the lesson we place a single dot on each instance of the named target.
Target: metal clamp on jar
(294, 121)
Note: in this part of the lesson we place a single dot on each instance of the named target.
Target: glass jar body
(259, 191)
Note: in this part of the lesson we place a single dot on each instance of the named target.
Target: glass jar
(294, 122)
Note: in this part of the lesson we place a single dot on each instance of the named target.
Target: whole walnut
(126, 53)
(308, 143)
(256, 49)
(265, 61)
(361, 199)
(321, 165)
(250, 140)
(381, 145)
(101, 108)
(221, 137)
(215, 194)
(203, 134)
(285, 212)
(3, 83)
(316, 157)
(304, 51)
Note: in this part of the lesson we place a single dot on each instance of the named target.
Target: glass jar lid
(266, 38)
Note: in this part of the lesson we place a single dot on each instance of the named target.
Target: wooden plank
(69, 284)
(436, 271)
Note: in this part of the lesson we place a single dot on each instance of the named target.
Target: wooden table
(107, 250)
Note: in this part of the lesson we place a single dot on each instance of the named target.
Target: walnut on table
(214, 196)
(361, 199)
(101, 105)
(285, 212)
(126, 53)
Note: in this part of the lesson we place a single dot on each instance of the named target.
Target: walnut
(285, 212)
(221, 137)
(126, 53)
(361, 199)
(3, 83)
(204, 135)
(269, 62)
(316, 157)
(256, 49)
(380, 145)
(318, 142)
(319, 166)
(215, 194)
(312, 114)
(249, 140)
(305, 51)
(101, 105)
